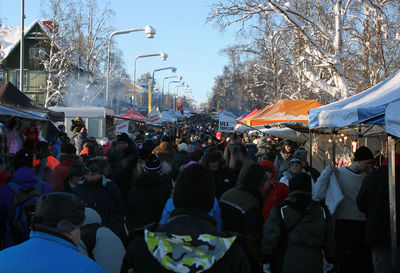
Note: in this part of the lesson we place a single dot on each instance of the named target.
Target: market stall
(375, 111)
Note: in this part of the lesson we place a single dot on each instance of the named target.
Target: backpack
(88, 236)
(23, 207)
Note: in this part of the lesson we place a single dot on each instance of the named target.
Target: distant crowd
(187, 198)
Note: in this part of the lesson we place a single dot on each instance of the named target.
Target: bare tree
(325, 44)
(54, 51)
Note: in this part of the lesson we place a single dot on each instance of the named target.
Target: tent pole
(333, 137)
(310, 135)
(392, 200)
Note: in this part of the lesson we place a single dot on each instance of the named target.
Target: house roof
(12, 97)
(10, 37)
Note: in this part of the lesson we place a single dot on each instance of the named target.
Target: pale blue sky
(192, 45)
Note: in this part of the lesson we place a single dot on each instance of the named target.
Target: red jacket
(56, 180)
(279, 193)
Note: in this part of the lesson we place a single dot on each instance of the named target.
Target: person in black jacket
(147, 199)
(189, 241)
(102, 195)
(373, 200)
(123, 160)
(224, 178)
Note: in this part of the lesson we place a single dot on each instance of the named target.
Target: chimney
(48, 23)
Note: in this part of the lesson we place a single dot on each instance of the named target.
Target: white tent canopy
(8, 112)
(167, 117)
(366, 107)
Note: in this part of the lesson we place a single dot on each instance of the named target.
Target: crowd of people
(187, 198)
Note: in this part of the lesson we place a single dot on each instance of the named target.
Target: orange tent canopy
(282, 111)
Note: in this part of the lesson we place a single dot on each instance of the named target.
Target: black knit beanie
(152, 165)
(194, 189)
(124, 138)
(363, 153)
(23, 158)
(300, 182)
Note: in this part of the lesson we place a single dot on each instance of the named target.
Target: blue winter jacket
(215, 213)
(48, 253)
(25, 177)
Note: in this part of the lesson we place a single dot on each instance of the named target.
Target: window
(24, 79)
(94, 128)
(36, 53)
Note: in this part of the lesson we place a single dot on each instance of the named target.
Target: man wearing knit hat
(353, 254)
(189, 241)
(53, 243)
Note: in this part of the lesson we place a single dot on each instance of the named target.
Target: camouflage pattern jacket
(188, 242)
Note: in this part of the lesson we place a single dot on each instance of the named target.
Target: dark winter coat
(373, 199)
(122, 164)
(181, 158)
(146, 200)
(145, 254)
(251, 151)
(224, 180)
(242, 211)
(295, 235)
(234, 154)
(104, 197)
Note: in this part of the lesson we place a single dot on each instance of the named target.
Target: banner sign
(122, 127)
(226, 123)
(154, 117)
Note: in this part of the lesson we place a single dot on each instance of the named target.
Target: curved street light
(148, 30)
(169, 85)
(163, 56)
(169, 77)
(173, 69)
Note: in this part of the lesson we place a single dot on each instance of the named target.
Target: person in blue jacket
(54, 239)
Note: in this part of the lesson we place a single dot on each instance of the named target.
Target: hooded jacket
(146, 200)
(241, 209)
(293, 239)
(24, 177)
(188, 242)
(108, 252)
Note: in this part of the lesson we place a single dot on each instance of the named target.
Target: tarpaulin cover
(367, 107)
(282, 111)
(248, 114)
(132, 114)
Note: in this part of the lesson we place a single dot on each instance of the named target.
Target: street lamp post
(169, 77)
(163, 56)
(148, 30)
(176, 88)
(169, 85)
(173, 69)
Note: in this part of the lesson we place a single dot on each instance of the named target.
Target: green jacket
(294, 241)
